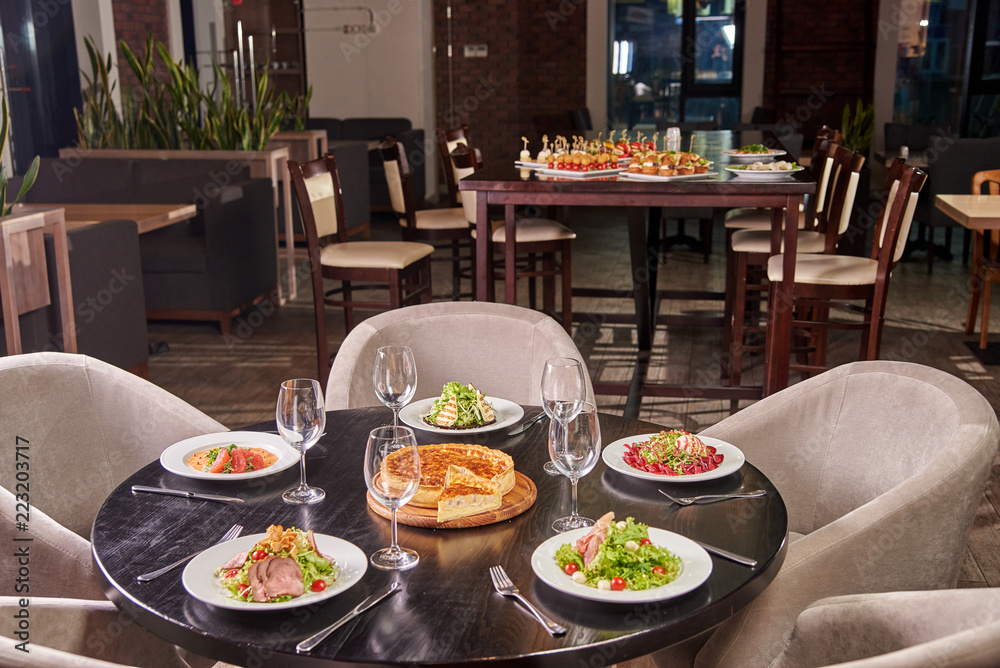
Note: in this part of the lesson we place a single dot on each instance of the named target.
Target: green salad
(753, 148)
(469, 408)
(626, 559)
(318, 571)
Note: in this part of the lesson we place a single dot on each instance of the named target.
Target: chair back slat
(316, 186)
(465, 161)
(842, 189)
(903, 184)
(448, 141)
(324, 203)
(399, 178)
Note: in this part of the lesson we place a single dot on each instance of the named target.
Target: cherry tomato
(239, 460)
(244, 589)
(232, 572)
(258, 555)
(645, 541)
(571, 568)
(659, 570)
(220, 462)
(617, 584)
(318, 585)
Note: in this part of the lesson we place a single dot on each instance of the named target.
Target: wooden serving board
(515, 502)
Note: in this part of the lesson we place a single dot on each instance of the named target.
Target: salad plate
(735, 155)
(696, 566)
(201, 582)
(763, 174)
(732, 459)
(175, 458)
(507, 413)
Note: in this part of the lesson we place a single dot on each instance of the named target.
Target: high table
(448, 612)
(977, 213)
(506, 185)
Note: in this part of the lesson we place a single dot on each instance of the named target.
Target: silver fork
(233, 532)
(688, 500)
(504, 586)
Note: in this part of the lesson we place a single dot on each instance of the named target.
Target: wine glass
(562, 381)
(301, 418)
(575, 447)
(392, 485)
(395, 378)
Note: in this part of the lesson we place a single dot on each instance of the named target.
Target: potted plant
(857, 127)
(30, 175)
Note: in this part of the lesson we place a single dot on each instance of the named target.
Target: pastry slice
(466, 494)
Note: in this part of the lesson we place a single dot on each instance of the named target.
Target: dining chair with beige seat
(950, 628)
(985, 255)
(752, 248)
(448, 141)
(882, 467)
(444, 228)
(825, 283)
(499, 348)
(536, 241)
(401, 267)
(76, 428)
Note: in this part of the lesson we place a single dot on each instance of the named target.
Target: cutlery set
(185, 493)
(233, 532)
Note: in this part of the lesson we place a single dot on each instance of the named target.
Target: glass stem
(394, 547)
(574, 514)
(395, 418)
(302, 470)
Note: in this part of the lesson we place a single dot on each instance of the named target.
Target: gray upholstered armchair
(499, 348)
(882, 466)
(83, 426)
(952, 628)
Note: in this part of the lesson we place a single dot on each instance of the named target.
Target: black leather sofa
(377, 129)
(208, 268)
(108, 302)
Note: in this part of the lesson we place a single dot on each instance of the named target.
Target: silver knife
(185, 493)
(310, 643)
(732, 556)
(525, 426)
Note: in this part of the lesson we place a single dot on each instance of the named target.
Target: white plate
(592, 174)
(657, 177)
(751, 157)
(732, 459)
(507, 414)
(523, 164)
(174, 458)
(696, 566)
(200, 581)
(764, 174)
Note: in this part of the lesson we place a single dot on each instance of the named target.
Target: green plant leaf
(29, 179)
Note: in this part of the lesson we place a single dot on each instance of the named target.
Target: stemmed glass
(395, 378)
(575, 447)
(392, 485)
(301, 418)
(562, 382)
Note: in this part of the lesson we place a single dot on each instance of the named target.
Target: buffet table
(447, 612)
(501, 183)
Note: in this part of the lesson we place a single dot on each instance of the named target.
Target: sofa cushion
(373, 128)
(79, 180)
(168, 254)
(331, 125)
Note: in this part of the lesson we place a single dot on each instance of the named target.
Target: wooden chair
(448, 141)
(752, 248)
(985, 266)
(441, 228)
(537, 240)
(834, 282)
(401, 266)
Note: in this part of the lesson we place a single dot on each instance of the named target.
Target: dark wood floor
(235, 379)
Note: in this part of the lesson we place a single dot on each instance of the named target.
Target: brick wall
(134, 20)
(535, 69)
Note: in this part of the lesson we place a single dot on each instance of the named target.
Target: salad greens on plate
(618, 556)
(460, 407)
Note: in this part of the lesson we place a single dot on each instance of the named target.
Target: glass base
(395, 559)
(550, 468)
(303, 494)
(572, 522)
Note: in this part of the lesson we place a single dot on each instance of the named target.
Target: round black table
(448, 612)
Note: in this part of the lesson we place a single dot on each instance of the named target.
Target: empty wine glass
(395, 378)
(301, 418)
(392, 484)
(575, 447)
(562, 381)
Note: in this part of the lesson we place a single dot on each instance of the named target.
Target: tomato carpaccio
(704, 464)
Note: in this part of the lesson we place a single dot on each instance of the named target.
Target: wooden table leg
(641, 290)
(484, 280)
(779, 308)
(510, 255)
(976, 287)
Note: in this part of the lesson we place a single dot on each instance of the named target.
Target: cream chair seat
(373, 254)
(499, 348)
(85, 426)
(531, 230)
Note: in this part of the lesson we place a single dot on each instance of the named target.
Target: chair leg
(549, 283)
(985, 325)
(348, 309)
(978, 277)
(706, 238)
(725, 369)
(532, 286)
(739, 319)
